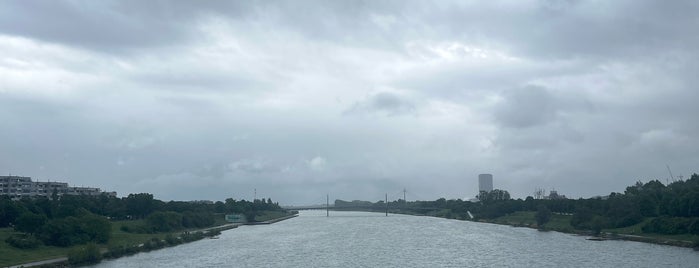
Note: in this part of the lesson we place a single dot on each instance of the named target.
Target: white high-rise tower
(485, 182)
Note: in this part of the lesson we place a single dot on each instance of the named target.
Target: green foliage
(543, 215)
(30, 222)
(668, 225)
(494, 195)
(598, 223)
(88, 254)
(115, 251)
(197, 219)
(9, 211)
(136, 228)
(189, 237)
(75, 230)
(153, 243)
(172, 240)
(140, 205)
(23, 241)
(164, 221)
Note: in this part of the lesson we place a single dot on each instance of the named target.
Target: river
(364, 239)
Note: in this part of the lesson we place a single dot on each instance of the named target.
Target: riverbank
(561, 223)
(123, 244)
(272, 220)
(153, 243)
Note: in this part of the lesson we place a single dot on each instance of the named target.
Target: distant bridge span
(310, 207)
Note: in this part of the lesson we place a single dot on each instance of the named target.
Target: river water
(363, 239)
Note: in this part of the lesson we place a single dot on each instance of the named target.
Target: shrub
(115, 251)
(88, 254)
(76, 230)
(23, 241)
(667, 225)
(164, 221)
(171, 240)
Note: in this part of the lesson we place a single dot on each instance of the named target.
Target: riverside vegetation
(647, 212)
(87, 228)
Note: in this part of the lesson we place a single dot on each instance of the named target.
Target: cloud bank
(209, 100)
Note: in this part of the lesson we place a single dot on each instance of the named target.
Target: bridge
(396, 206)
(309, 207)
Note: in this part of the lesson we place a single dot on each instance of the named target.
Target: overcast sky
(213, 99)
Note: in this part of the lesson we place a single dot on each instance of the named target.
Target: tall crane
(670, 171)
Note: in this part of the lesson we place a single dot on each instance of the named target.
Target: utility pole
(386, 204)
(254, 197)
(327, 205)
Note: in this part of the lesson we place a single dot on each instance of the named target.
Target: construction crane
(670, 171)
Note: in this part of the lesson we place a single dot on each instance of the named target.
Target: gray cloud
(385, 103)
(207, 100)
(526, 107)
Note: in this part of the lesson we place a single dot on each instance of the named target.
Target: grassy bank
(561, 223)
(12, 256)
(119, 239)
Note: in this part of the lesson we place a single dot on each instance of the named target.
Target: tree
(494, 195)
(96, 227)
(9, 211)
(139, 205)
(89, 254)
(543, 215)
(30, 222)
(164, 221)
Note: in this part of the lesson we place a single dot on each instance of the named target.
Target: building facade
(18, 187)
(485, 183)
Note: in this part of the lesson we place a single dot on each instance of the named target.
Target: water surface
(363, 239)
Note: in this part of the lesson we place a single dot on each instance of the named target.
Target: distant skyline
(299, 99)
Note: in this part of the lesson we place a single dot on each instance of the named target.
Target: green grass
(633, 229)
(558, 222)
(561, 223)
(636, 230)
(13, 256)
(120, 237)
(525, 218)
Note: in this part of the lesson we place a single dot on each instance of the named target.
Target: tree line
(665, 209)
(77, 219)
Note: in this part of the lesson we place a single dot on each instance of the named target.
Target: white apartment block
(18, 187)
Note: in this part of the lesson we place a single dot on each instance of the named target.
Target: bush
(166, 221)
(694, 227)
(130, 250)
(543, 215)
(76, 230)
(189, 237)
(115, 251)
(667, 225)
(30, 222)
(171, 240)
(23, 241)
(88, 254)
